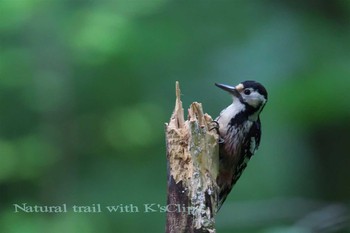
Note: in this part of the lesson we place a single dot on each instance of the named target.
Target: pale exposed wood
(192, 168)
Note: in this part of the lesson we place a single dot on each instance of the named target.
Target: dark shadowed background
(86, 87)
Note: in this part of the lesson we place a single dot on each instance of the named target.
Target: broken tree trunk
(192, 168)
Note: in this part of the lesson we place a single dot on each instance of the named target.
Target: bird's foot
(216, 126)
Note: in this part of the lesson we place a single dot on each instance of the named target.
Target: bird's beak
(235, 91)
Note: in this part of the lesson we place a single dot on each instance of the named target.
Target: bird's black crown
(256, 86)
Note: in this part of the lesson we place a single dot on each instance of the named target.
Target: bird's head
(250, 93)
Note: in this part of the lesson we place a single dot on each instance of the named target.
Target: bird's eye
(247, 91)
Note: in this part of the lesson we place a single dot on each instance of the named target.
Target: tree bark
(192, 167)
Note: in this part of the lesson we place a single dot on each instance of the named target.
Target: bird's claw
(216, 126)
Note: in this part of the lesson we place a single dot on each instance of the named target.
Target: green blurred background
(86, 87)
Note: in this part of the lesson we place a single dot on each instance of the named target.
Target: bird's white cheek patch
(254, 101)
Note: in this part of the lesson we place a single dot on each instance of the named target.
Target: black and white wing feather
(250, 145)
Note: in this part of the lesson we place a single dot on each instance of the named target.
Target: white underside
(227, 114)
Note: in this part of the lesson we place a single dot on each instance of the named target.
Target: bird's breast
(226, 115)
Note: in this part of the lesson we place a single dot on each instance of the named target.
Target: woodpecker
(239, 128)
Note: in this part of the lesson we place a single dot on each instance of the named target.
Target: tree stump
(192, 167)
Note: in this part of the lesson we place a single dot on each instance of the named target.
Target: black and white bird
(240, 131)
